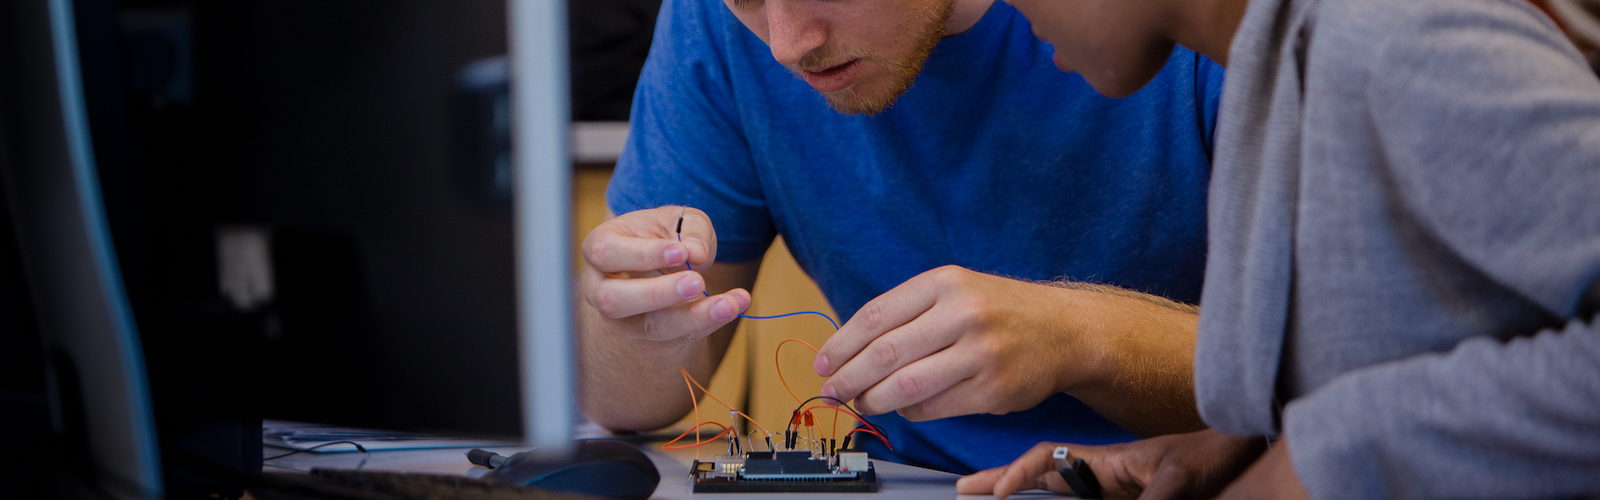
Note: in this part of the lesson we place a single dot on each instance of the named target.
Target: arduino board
(785, 472)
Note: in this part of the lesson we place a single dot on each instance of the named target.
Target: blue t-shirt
(994, 160)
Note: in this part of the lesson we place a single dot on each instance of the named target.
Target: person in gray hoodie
(1401, 280)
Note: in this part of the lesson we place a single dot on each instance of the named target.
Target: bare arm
(953, 342)
(631, 382)
(643, 313)
(1145, 379)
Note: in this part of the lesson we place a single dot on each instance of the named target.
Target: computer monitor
(404, 275)
(400, 262)
(324, 211)
(100, 400)
(543, 204)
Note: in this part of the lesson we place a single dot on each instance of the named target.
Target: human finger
(694, 320)
(692, 227)
(886, 355)
(886, 312)
(981, 482)
(1034, 470)
(649, 240)
(616, 253)
(620, 298)
(927, 389)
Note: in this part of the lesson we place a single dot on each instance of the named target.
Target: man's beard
(928, 30)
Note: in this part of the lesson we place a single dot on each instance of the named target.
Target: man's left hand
(952, 342)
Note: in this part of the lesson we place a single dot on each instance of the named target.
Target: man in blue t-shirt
(1012, 250)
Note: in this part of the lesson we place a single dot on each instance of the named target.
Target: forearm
(1141, 372)
(630, 383)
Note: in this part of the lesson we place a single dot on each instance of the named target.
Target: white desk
(897, 482)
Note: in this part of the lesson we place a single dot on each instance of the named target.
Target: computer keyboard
(377, 485)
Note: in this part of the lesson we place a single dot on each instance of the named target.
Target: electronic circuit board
(786, 472)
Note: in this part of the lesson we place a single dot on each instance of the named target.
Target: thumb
(979, 483)
(693, 227)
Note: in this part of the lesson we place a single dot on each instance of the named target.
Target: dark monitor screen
(315, 209)
(383, 242)
(293, 209)
(398, 270)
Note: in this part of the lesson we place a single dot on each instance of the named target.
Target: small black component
(706, 481)
(1082, 480)
(790, 466)
(486, 458)
(846, 446)
(759, 455)
(763, 467)
(680, 225)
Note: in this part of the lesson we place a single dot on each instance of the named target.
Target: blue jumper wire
(708, 294)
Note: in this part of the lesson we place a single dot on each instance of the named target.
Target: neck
(965, 15)
(1207, 26)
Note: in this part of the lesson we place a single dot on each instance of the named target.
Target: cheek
(754, 19)
(879, 28)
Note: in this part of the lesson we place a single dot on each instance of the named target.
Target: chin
(879, 85)
(855, 105)
(862, 100)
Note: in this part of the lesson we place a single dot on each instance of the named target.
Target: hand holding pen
(1192, 465)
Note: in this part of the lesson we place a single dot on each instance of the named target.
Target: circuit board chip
(786, 471)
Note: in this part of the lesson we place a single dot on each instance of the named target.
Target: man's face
(1115, 45)
(860, 54)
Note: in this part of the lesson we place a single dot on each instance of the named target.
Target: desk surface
(897, 481)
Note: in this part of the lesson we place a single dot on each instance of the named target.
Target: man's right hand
(638, 281)
(1193, 465)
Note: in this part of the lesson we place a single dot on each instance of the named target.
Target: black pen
(1077, 474)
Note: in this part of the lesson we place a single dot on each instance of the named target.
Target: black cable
(351, 443)
(883, 433)
(843, 404)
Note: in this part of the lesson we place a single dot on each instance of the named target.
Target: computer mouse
(597, 467)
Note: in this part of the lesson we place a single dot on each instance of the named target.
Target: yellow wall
(781, 288)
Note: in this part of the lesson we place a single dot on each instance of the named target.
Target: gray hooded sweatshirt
(1404, 249)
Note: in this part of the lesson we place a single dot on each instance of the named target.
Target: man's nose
(794, 30)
